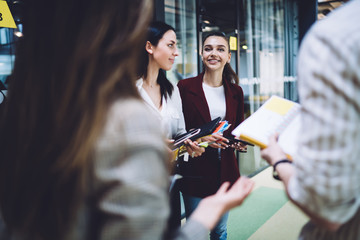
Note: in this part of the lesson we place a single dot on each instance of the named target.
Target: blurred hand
(211, 208)
(170, 143)
(273, 152)
(234, 196)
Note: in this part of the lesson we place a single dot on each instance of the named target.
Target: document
(276, 115)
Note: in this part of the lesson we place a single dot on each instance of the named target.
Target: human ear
(149, 47)
(202, 57)
(228, 61)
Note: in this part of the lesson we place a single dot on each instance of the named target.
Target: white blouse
(215, 97)
(171, 118)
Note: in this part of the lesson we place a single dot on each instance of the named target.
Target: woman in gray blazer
(78, 158)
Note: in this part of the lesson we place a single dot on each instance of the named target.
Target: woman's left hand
(193, 149)
(239, 146)
(273, 152)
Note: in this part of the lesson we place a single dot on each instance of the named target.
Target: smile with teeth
(212, 61)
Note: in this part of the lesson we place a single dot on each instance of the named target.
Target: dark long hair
(75, 59)
(155, 32)
(228, 73)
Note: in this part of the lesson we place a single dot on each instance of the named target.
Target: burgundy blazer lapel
(198, 98)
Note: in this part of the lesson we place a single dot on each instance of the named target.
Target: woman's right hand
(234, 196)
(193, 149)
(217, 140)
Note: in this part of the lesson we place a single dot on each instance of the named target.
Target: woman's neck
(152, 75)
(213, 78)
(151, 86)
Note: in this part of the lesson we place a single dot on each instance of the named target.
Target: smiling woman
(214, 93)
(215, 56)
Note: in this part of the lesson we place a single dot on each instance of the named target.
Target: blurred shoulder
(131, 115)
(129, 125)
(338, 28)
(128, 107)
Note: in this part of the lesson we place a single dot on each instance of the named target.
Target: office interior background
(265, 36)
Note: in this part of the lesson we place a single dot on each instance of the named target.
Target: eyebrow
(209, 45)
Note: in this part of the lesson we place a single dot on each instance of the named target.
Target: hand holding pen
(237, 144)
(215, 141)
(193, 148)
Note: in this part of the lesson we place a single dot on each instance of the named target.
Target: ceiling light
(18, 34)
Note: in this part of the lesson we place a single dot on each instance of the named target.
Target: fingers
(212, 138)
(208, 139)
(171, 154)
(274, 138)
(241, 189)
(215, 145)
(169, 142)
(241, 182)
(239, 146)
(220, 138)
(193, 149)
(234, 196)
(218, 141)
(223, 188)
(247, 184)
(221, 142)
(243, 148)
(273, 151)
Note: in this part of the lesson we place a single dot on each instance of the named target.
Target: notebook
(196, 133)
(276, 115)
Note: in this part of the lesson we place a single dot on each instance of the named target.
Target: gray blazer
(128, 194)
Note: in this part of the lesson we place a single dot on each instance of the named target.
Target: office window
(268, 51)
(7, 53)
(262, 51)
(181, 14)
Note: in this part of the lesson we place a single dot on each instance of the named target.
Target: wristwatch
(275, 173)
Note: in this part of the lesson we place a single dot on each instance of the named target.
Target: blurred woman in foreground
(79, 160)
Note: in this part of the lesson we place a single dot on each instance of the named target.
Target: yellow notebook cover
(276, 115)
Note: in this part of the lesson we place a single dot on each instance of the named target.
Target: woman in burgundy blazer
(207, 172)
(203, 175)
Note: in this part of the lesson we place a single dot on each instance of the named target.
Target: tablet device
(196, 133)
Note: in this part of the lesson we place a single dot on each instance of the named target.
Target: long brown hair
(228, 73)
(155, 33)
(75, 59)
